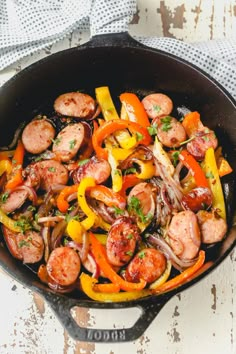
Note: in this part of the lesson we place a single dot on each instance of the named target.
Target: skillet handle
(62, 307)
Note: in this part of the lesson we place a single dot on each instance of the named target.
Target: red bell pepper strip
(62, 203)
(195, 169)
(17, 162)
(112, 126)
(134, 109)
(97, 250)
(107, 196)
(128, 182)
(192, 123)
(183, 277)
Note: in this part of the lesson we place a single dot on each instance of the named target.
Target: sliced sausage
(204, 140)
(96, 167)
(27, 247)
(75, 104)
(157, 105)
(184, 235)
(148, 264)
(145, 193)
(170, 131)
(14, 201)
(63, 266)
(37, 136)
(46, 173)
(121, 241)
(213, 228)
(68, 141)
(197, 199)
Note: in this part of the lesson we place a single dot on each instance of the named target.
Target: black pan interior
(136, 69)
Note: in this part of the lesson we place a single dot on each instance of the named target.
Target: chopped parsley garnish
(209, 175)
(56, 141)
(51, 169)
(206, 138)
(31, 208)
(117, 172)
(24, 242)
(4, 197)
(152, 130)
(130, 170)
(134, 205)
(118, 211)
(83, 162)
(139, 136)
(129, 253)
(72, 144)
(141, 254)
(156, 108)
(166, 123)
(175, 157)
(130, 236)
(24, 224)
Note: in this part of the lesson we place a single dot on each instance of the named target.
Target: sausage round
(96, 167)
(121, 241)
(213, 228)
(75, 104)
(170, 131)
(184, 235)
(27, 247)
(63, 265)
(203, 141)
(14, 201)
(148, 264)
(157, 105)
(68, 141)
(144, 192)
(197, 199)
(37, 136)
(47, 173)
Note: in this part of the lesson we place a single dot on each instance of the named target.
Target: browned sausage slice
(63, 266)
(27, 247)
(148, 264)
(197, 199)
(37, 136)
(96, 167)
(68, 141)
(145, 193)
(213, 228)
(75, 104)
(14, 201)
(121, 241)
(184, 235)
(157, 105)
(170, 131)
(48, 173)
(203, 141)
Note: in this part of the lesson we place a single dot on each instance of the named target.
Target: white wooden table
(200, 320)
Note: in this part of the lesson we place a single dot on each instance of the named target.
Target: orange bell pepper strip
(107, 196)
(195, 169)
(112, 126)
(101, 260)
(134, 108)
(17, 162)
(5, 166)
(107, 288)
(186, 275)
(62, 203)
(88, 285)
(192, 123)
(128, 182)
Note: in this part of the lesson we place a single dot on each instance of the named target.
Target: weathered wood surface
(200, 320)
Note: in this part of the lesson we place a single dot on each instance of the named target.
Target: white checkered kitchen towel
(27, 26)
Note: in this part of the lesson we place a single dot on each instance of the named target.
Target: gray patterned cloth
(27, 26)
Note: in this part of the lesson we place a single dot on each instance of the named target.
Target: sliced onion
(30, 190)
(15, 138)
(178, 263)
(45, 232)
(57, 233)
(49, 219)
(141, 152)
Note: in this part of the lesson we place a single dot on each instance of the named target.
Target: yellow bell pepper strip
(109, 112)
(121, 154)
(183, 277)
(195, 169)
(86, 183)
(163, 278)
(109, 273)
(107, 196)
(141, 134)
(88, 286)
(192, 123)
(123, 113)
(8, 222)
(162, 156)
(5, 166)
(223, 166)
(134, 108)
(62, 203)
(17, 162)
(147, 169)
(116, 173)
(107, 288)
(212, 174)
(75, 230)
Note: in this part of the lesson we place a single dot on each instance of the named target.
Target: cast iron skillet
(121, 63)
